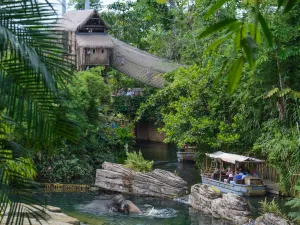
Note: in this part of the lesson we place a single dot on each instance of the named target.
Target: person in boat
(246, 174)
(216, 174)
(237, 177)
(230, 178)
(228, 172)
(254, 174)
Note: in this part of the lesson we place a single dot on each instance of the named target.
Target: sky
(103, 3)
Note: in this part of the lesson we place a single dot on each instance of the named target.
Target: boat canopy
(233, 158)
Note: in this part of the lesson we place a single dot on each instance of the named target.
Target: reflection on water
(165, 158)
(156, 211)
(157, 151)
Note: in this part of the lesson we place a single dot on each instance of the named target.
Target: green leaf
(234, 27)
(217, 42)
(234, 74)
(289, 5)
(271, 92)
(284, 92)
(252, 30)
(265, 29)
(237, 41)
(214, 8)
(249, 51)
(216, 27)
(296, 94)
(280, 3)
(221, 72)
(161, 1)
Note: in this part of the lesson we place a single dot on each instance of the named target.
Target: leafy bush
(136, 162)
(295, 204)
(65, 168)
(270, 207)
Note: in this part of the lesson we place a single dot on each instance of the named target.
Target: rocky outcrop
(271, 218)
(228, 206)
(159, 183)
(39, 215)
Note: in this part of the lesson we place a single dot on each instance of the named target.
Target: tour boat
(249, 186)
(186, 154)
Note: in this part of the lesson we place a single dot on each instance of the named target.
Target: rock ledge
(159, 183)
(39, 215)
(227, 206)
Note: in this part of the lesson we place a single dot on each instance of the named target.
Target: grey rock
(39, 215)
(226, 206)
(159, 183)
(271, 218)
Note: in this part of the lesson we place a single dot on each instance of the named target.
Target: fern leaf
(284, 92)
(271, 92)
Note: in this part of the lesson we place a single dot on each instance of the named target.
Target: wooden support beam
(221, 166)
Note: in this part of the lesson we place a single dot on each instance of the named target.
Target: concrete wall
(146, 131)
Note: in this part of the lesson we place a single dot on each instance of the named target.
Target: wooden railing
(267, 172)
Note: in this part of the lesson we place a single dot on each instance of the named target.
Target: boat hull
(238, 189)
(186, 156)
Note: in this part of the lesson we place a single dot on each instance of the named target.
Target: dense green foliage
(261, 117)
(136, 162)
(251, 42)
(269, 207)
(88, 100)
(295, 205)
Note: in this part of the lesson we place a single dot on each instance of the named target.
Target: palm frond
(32, 66)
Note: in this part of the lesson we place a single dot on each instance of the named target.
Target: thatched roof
(94, 40)
(77, 18)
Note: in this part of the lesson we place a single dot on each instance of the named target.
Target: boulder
(201, 197)
(271, 218)
(39, 215)
(228, 206)
(159, 183)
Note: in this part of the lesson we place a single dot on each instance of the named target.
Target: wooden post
(221, 165)
(234, 169)
(206, 164)
(262, 171)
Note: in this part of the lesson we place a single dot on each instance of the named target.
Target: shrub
(295, 204)
(270, 207)
(136, 162)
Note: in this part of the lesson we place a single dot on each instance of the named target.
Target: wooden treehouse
(86, 38)
(89, 44)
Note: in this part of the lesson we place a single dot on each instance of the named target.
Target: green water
(164, 211)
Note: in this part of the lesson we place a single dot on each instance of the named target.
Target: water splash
(162, 213)
(184, 200)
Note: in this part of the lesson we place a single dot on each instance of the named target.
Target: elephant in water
(117, 204)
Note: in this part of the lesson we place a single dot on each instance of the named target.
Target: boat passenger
(216, 174)
(254, 174)
(237, 177)
(228, 171)
(230, 178)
